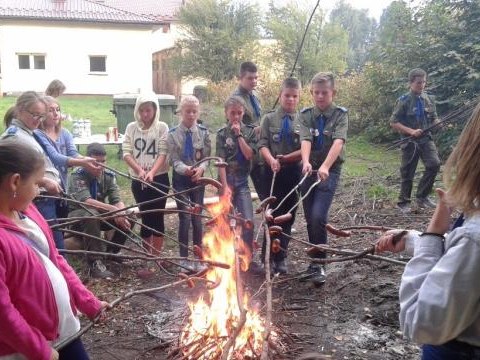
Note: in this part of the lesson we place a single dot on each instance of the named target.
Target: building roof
(70, 10)
(165, 10)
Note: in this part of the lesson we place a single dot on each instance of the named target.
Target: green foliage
(360, 29)
(325, 47)
(218, 36)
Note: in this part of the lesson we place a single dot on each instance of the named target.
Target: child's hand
(52, 187)
(275, 165)
(141, 174)
(417, 133)
(236, 128)
(149, 177)
(386, 242)
(190, 170)
(54, 355)
(323, 173)
(197, 174)
(307, 168)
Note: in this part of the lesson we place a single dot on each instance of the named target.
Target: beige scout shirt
(336, 126)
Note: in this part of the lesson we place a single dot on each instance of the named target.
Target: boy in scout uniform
(187, 144)
(323, 133)
(279, 145)
(247, 82)
(236, 144)
(93, 187)
(413, 113)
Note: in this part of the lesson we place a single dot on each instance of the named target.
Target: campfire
(221, 323)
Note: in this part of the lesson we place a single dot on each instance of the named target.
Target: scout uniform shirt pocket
(275, 134)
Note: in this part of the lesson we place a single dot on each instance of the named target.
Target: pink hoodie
(28, 311)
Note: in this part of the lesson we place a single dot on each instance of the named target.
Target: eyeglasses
(40, 117)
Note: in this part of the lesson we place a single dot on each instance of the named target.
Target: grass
(362, 158)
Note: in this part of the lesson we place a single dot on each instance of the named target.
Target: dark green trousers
(411, 153)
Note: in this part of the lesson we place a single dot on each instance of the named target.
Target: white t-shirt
(68, 322)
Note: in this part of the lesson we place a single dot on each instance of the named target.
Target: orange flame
(214, 317)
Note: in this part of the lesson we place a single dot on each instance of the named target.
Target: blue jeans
(242, 202)
(451, 350)
(181, 183)
(74, 351)
(316, 206)
(48, 209)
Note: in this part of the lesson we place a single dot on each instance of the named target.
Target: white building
(92, 47)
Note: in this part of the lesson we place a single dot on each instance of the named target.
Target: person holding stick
(40, 293)
(188, 143)
(323, 133)
(145, 152)
(236, 145)
(414, 112)
(93, 186)
(279, 145)
(439, 291)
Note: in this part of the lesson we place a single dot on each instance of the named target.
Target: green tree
(325, 47)
(217, 35)
(361, 31)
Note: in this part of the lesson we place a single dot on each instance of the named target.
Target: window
(98, 63)
(39, 62)
(25, 61)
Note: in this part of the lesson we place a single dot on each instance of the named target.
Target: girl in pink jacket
(40, 294)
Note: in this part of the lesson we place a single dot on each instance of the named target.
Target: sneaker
(280, 267)
(256, 269)
(99, 270)
(316, 274)
(319, 277)
(293, 231)
(424, 203)
(404, 208)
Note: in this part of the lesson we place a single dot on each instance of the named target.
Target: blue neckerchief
(286, 132)
(319, 126)
(94, 188)
(420, 112)
(188, 149)
(255, 105)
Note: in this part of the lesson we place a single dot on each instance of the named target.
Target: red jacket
(28, 311)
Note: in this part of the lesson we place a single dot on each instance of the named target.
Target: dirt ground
(354, 315)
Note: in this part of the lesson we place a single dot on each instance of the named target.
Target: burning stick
(268, 283)
(241, 307)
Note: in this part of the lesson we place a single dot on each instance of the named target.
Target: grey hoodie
(146, 145)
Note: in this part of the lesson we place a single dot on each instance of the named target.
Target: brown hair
(18, 158)
(322, 78)
(414, 73)
(55, 88)
(291, 83)
(234, 100)
(247, 66)
(96, 149)
(462, 170)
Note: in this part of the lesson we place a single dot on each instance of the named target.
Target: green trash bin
(124, 104)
